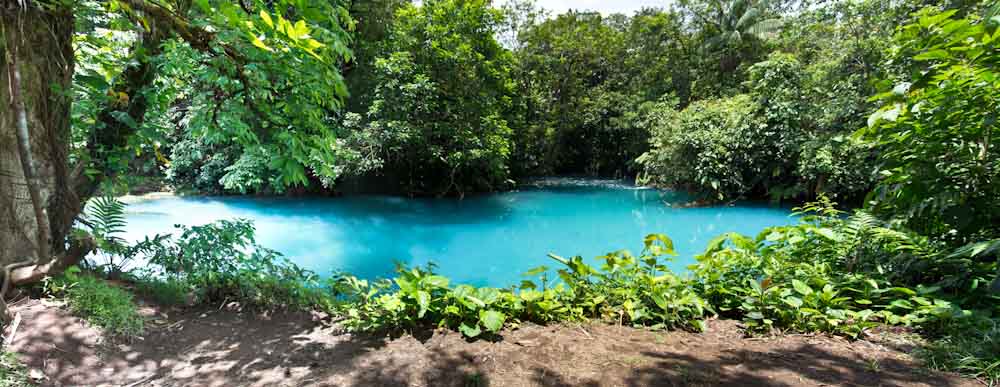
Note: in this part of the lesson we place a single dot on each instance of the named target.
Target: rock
(36, 375)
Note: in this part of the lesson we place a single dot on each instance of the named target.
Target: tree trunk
(41, 42)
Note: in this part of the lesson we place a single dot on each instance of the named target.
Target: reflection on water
(482, 240)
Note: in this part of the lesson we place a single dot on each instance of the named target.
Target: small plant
(101, 304)
(417, 296)
(12, 372)
(105, 217)
(638, 290)
(166, 291)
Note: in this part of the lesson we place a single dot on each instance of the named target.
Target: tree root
(4, 313)
(30, 271)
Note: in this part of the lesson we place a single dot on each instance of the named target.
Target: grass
(972, 352)
(103, 305)
(12, 372)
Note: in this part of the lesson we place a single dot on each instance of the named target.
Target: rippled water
(481, 240)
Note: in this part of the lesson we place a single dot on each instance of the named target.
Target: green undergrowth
(837, 273)
(12, 372)
(637, 290)
(220, 262)
(102, 304)
(833, 272)
(971, 349)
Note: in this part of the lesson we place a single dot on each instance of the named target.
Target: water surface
(481, 240)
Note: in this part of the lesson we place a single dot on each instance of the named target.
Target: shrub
(100, 303)
(221, 261)
(838, 166)
(105, 218)
(635, 290)
(829, 273)
(939, 173)
(696, 148)
(165, 290)
(639, 290)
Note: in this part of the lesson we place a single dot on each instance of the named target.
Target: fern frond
(106, 216)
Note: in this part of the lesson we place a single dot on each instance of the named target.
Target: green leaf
(933, 54)
(801, 287)
(905, 291)
(530, 295)
(259, 43)
(658, 300)
(436, 281)
(536, 271)
(424, 301)
(469, 330)
(492, 320)
(203, 4)
(301, 29)
(665, 246)
(903, 304)
(267, 18)
(793, 301)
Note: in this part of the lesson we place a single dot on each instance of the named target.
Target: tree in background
(442, 91)
(731, 34)
(583, 80)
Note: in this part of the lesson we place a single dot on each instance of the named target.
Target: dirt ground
(220, 347)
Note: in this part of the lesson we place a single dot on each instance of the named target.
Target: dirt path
(209, 347)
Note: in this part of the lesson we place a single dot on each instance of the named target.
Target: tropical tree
(731, 34)
(442, 92)
(272, 66)
(937, 130)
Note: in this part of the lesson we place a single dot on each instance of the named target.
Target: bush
(833, 273)
(635, 290)
(765, 143)
(100, 303)
(220, 261)
(939, 174)
(837, 166)
(697, 148)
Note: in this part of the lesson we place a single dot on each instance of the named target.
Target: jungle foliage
(887, 105)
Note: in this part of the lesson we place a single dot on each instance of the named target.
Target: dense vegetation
(889, 107)
(455, 96)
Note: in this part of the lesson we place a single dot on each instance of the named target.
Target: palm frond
(766, 29)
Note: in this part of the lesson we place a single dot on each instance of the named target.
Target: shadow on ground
(209, 347)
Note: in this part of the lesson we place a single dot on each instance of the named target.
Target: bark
(41, 41)
(27, 158)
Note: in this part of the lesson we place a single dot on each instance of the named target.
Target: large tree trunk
(39, 36)
(40, 44)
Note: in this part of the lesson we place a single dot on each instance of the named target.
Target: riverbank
(220, 346)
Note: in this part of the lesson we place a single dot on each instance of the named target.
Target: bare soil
(220, 347)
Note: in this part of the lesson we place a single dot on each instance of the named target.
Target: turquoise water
(481, 240)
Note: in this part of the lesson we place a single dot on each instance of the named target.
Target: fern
(105, 216)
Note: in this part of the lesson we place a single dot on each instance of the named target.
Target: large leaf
(801, 287)
(469, 330)
(492, 320)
